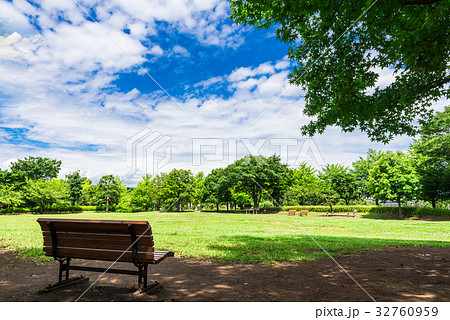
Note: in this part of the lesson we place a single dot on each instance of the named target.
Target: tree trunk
(107, 204)
(433, 203)
(331, 206)
(255, 204)
(400, 215)
(217, 207)
(377, 202)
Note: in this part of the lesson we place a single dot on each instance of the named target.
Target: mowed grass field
(248, 238)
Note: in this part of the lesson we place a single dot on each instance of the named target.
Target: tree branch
(438, 83)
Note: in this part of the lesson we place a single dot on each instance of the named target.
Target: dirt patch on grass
(395, 274)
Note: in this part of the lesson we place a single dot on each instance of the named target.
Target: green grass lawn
(249, 238)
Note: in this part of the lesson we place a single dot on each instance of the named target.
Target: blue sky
(176, 72)
(145, 86)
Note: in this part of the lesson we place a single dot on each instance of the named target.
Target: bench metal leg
(152, 288)
(64, 283)
(64, 268)
(142, 276)
(142, 281)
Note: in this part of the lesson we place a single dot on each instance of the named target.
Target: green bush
(89, 208)
(266, 204)
(16, 210)
(411, 211)
(327, 208)
(54, 208)
(60, 209)
(124, 209)
(111, 209)
(103, 208)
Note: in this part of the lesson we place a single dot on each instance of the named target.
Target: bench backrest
(292, 211)
(98, 239)
(304, 211)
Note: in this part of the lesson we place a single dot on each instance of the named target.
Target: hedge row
(54, 209)
(327, 208)
(51, 209)
(110, 209)
(409, 211)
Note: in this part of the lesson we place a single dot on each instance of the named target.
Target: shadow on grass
(394, 216)
(253, 249)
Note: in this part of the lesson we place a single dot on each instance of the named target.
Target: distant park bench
(108, 240)
(349, 214)
(301, 212)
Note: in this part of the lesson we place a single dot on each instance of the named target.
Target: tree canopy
(341, 181)
(361, 169)
(217, 188)
(177, 187)
(306, 188)
(108, 190)
(340, 47)
(145, 193)
(75, 184)
(37, 168)
(258, 176)
(394, 177)
(46, 192)
(434, 164)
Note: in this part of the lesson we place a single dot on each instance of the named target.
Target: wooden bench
(109, 240)
(292, 212)
(353, 214)
(305, 212)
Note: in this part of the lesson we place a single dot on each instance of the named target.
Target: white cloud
(203, 19)
(246, 72)
(156, 51)
(13, 19)
(207, 83)
(179, 50)
(89, 48)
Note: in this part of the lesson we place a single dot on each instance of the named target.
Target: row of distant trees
(421, 174)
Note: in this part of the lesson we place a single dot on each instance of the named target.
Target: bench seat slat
(93, 221)
(97, 244)
(94, 228)
(98, 240)
(145, 239)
